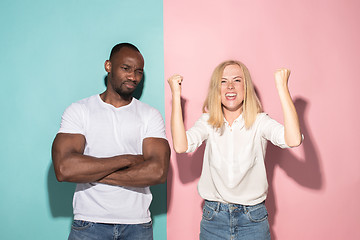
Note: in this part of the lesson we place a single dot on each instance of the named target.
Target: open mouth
(230, 96)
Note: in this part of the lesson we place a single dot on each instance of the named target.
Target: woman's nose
(230, 85)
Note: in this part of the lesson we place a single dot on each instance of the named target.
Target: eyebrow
(233, 77)
(126, 65)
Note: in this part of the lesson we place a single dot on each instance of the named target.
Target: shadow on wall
(61, 193)
(189, 165)
(306, 172)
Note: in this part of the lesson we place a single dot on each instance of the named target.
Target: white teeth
(230, 95)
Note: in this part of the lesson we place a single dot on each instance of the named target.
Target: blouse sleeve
(272, 131)
(198, 133)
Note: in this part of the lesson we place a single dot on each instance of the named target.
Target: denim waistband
(219, 206)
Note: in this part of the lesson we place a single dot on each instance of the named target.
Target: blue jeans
(234, 221)
(83, 230)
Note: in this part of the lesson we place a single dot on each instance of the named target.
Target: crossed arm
(71, 165)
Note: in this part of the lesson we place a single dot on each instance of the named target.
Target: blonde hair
(212, 105)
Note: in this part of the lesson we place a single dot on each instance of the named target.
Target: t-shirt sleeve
(155, 126)
(72, 120)
(273, 131)
(197, 134)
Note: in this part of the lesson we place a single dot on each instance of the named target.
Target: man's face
(125, 71)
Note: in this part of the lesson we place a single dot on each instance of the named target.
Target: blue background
(52, 54)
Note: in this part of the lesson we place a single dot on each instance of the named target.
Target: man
(114, 147)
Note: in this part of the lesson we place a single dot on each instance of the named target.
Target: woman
(233, 180)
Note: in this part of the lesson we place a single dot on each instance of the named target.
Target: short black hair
(119, 46)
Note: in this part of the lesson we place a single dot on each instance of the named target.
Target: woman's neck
(230, 116)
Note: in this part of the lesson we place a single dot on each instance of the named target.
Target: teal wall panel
(52, 54)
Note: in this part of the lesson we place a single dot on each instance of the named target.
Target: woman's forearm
(293, 135)
(177, 122)
(177, 126)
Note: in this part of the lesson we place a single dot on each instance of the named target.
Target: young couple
(114, 147)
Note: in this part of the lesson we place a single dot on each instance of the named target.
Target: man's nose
(131, 75)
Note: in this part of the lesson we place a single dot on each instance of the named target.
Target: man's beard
(124, 95)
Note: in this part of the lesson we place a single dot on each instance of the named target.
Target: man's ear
(107, 65)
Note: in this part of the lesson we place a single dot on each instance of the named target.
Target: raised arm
(178, 133)
(71, 165)
(293, 136)
(152, 171)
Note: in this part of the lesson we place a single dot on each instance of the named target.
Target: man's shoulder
(145, 111)
(81, 105)
(143, 106)
(87, 100)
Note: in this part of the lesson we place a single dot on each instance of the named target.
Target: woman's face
(232, 89)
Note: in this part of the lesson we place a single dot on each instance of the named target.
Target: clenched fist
(175, 83)
(282, 76)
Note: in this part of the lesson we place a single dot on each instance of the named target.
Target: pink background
(314, 189)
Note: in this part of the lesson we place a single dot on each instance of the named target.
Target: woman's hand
(282, 77)
(175, 84)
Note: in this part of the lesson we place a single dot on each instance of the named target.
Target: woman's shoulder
(204, 116)
(202, 120)
(262, 117)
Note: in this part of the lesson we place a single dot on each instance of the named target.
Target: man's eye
(126, 69)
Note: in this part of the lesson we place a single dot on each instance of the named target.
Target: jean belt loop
(217, 209)
(245, 209)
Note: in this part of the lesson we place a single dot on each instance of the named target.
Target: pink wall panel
(314, 189)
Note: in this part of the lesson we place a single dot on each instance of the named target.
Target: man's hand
(152, 171)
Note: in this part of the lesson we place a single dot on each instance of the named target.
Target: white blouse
(233, 166)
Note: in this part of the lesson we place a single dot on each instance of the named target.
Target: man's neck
(115, 99)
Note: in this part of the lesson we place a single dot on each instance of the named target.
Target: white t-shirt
(233, 167)
(111, 131)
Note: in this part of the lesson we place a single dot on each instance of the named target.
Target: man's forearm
(144, 174)
(80, 168)
(150, 172)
